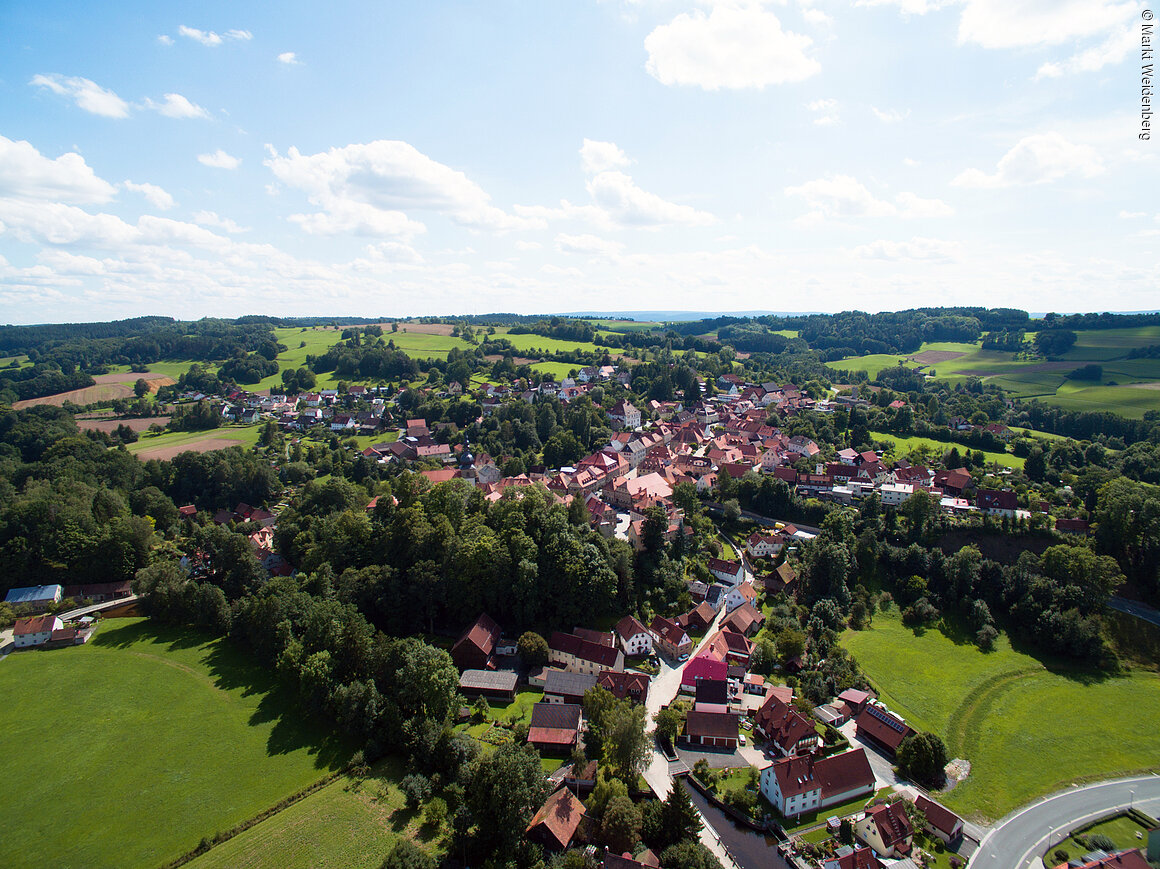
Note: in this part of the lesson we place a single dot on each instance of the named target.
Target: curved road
(1135, 608)
(1018, 840)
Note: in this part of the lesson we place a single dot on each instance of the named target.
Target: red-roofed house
(35, 630)
(559, 821)
(554, 727)
(796, 785)
(730, 572)
(852, 857)
(940, 821)
(634, 637)
(702, 667)
(788, 731)
(475, 650)
(578, 655)
(625, 686)
(886, 829)
(670, 637)
(882, 728)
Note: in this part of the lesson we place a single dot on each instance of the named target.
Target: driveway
(1017, 841)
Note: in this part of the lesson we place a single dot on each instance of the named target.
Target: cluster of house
(261, 539)
(49, 631)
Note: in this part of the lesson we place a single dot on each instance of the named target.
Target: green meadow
(1016, 718)
(902, 446)
(131, 749)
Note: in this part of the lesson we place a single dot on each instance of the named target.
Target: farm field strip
(902, 445)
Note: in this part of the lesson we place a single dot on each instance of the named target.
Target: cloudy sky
(384, 158)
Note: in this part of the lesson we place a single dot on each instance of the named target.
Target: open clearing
(169, 444)
(131, 749)
(902, 446)
(351, 823)
(1126, 386)
(107, 388)
(138, 424)
(1020, 721)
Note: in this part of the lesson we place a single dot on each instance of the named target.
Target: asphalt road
(1018, 840)
(1135, 608)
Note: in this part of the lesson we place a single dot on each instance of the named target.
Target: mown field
(1028, 727)
(526, 342)
(903, 446)
(131, 749)
(1129, 387)
(350, 823)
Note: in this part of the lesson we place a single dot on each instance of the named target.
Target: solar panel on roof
(887, 719)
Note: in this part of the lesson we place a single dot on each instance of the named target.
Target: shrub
(416, 789)
(1100, 842)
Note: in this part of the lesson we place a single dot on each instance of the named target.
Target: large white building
(796, 785)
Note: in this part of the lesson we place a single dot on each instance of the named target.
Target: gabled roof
(483, 635)
(33, 625)
(883, 727)
(559, 817)
(625, 685)
(571, 684)
(837, 774)
(892, 823)
(719, 725)
(939, 817)
(783, 724)
(628, 627)
(586, 650)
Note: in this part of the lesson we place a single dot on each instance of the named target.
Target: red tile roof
(721, 725)
(559, 817)
(586, 650)
(783, 725)
(883, 727)
(33, 625)
(940, 817)
(892, 823)
(837, 774)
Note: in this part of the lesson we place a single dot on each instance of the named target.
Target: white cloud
(177, 106)
(289, 58)
(731, 47)
(528, 245)
(219, 159)
(908, 7)
(1131, 215)
(628, 205)
(599, 156)
(371, 185)
(1112, 50)
(911, 206)
(841, 196)
(822, 105)
(587, 244)
(210, 39)
(26, 174)
(87, 94)
(212, 218)
(826, 121)
(1021, 23)
(816, 16)
(889, 116)
(165, 39)
(929, 250)
(158, 197)
(1036, 159)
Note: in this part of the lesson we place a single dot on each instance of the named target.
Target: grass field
(1121, 829)
(6, 362)
(525, 343)
(1118, 390)
(1013, 717)
(558, 370)
(132, 748)
(351, 823)
(226, 436)
(902, 446)
(624, 325)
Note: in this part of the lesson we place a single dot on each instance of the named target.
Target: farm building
(492, 684)
(37, 597)
(35, 631)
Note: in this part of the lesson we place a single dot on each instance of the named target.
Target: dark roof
(883, 727)
(628, 627)
(556, 715)
(584, 649)
(488, 680)
(940, 817)
(563, 682)
(713, 691)
(624, 685)
(722, 725)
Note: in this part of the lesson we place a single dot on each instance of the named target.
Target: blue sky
(440, 158)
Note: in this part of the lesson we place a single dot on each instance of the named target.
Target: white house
(633, 636)
(35, 631)
(626, 414)
(744, 593)
(893, 494)
(729, 572)
(796, 785)
(763, 545)
(886, 829)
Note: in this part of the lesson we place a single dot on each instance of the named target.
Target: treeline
(565, 329)
(40, 380)
(16, 340)
(369, 359)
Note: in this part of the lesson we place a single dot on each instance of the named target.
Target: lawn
(810, 819)
(1121, 829)
(351, 823)
(902, 446)
(242, 435)
(530, 342)
(558, 370)
(131, 749)
(1013, 717)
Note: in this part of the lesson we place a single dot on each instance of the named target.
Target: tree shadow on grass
(231, 669)
(1076, 671)
(401, 818)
